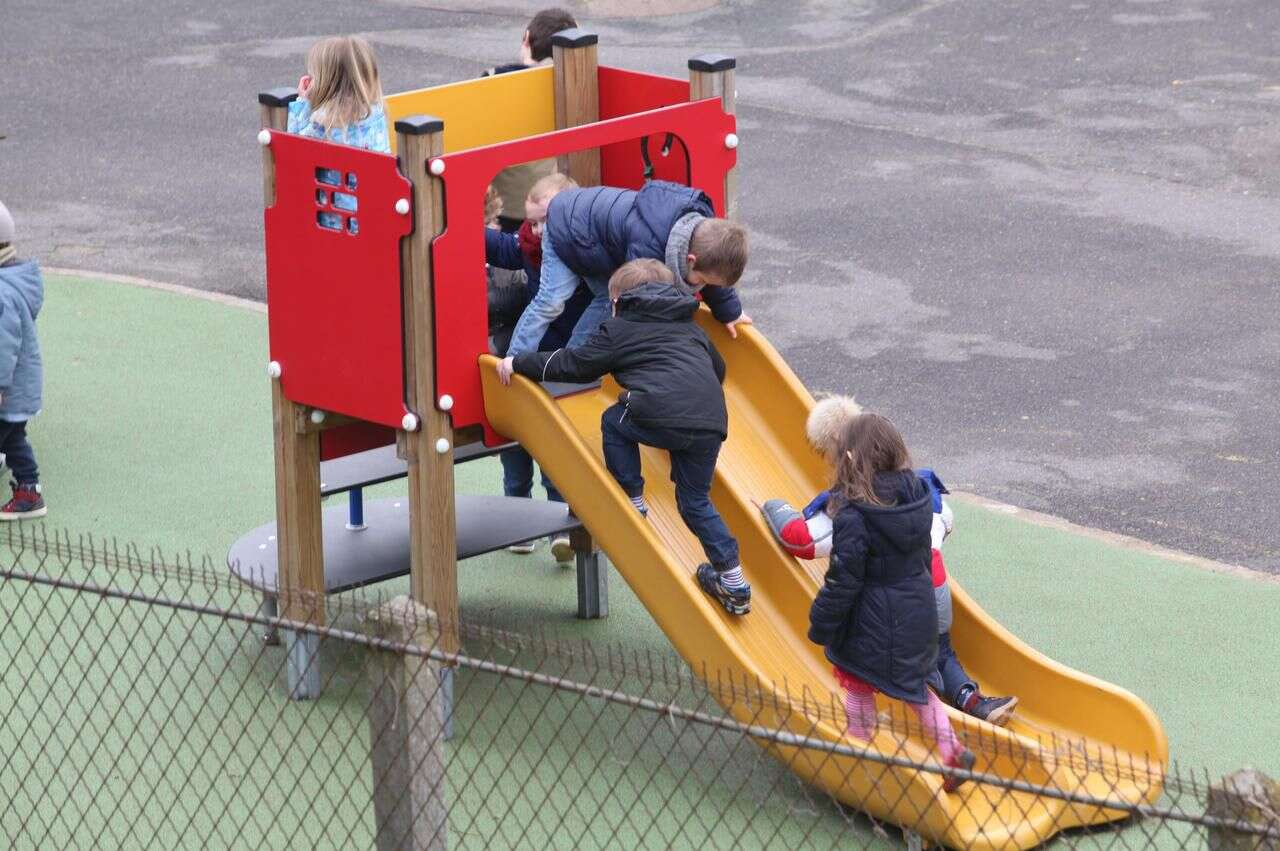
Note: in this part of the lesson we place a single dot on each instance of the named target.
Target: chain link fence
(145, 704)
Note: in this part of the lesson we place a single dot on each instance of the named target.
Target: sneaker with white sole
(736, 601)
(25, 504)
(562, 549)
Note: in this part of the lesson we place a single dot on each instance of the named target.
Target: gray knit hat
(6, 224)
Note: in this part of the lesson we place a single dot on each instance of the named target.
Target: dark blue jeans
(693, 463)
(949, 676)
(517, 475)
(19, 457)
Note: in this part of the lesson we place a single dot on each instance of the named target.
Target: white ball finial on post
(402, 206)
(437, 167)
(442, 446)
(273, 369)
(446, 402)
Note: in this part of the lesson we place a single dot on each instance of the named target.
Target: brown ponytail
(870, 445)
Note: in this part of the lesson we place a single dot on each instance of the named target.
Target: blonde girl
(340, 96)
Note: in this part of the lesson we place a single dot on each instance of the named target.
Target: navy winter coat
(597, 229)
(875, 614)
(654, 349)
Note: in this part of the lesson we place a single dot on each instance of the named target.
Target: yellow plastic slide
(1071, 731)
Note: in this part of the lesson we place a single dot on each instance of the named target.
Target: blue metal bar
(355, 508)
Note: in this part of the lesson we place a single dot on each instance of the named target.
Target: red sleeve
(939, 570)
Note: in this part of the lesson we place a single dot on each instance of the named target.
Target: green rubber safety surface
(156, 430)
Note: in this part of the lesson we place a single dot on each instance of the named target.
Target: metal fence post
(406, 729)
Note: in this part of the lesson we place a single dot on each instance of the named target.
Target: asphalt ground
(1039, 235)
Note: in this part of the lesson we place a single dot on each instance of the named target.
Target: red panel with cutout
(461, 319)
(333, 278)
(625, 92)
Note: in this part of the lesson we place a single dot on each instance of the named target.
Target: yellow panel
(766, 456)
(484, 111)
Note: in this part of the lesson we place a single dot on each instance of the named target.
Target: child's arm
(502, 249)
(299, 115)
(581, 364)
(839, 592)
(10, 342)
(723, 302)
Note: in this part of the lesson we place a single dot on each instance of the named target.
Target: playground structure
(388, 251)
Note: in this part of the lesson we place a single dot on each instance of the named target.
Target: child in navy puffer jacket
(21, 372)
(875, 615)
(591, 232)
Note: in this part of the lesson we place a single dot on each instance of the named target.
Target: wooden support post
(577, 97)
(433, 545)
(711, 75)
(406, 732)
(299, 537)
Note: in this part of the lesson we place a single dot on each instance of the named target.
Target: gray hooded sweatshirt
(21, 369)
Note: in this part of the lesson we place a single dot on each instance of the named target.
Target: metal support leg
(446, 702)
(355, 510)
(303, 665)
(269, 608)
(915, 842)
(593, 577)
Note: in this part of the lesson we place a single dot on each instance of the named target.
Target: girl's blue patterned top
(369, 133)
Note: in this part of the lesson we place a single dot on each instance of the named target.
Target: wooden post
(577, 97)
(299, 537)
(406, 731)
(433, 545)
(711, 75)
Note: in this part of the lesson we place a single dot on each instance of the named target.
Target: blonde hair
(827, 422)
(719, 246)
(492, 206)
(550, 186)
(344, 80)
(637, 272)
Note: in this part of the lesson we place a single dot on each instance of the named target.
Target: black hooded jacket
(654, 349)
(875, 613)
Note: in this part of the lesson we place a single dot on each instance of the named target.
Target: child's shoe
(993, 710)
(562, 549)
(523, 549)
(965, 759)
(736, 601)
(25, 504)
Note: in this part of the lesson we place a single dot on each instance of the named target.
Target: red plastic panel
(352, 438)
(625, 92)
(333, 277)
(458, 254)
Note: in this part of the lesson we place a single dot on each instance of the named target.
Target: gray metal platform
(381, 550)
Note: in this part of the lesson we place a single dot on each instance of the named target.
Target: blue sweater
(21, 369)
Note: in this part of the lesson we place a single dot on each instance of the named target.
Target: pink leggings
(860, 709)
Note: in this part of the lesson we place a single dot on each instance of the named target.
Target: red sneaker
(26, 503)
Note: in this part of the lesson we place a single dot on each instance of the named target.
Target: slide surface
(1071, 730)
